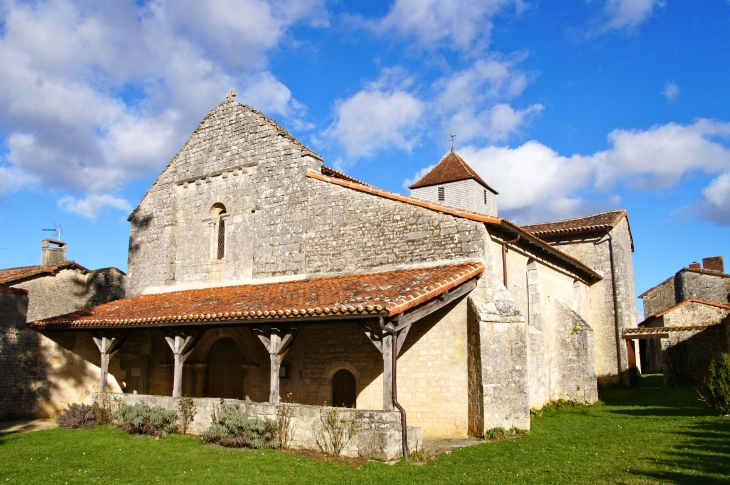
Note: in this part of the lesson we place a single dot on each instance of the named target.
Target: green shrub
(144, 419)
(78, 416)
(717, 383)
(235, 427)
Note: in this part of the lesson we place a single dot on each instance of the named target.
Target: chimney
(52, 252)
(695, 265)
(714, 264)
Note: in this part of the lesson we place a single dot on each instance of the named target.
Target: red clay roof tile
(595, 222)
(385, 293)
(10, 275)
(451, 168)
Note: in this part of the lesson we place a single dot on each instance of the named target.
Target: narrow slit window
(485, 197)
(442, 195)
(221, 238)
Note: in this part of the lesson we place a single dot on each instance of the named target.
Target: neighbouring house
(255, 270)
(40, 375)
(687, 323)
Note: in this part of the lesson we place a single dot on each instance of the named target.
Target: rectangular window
(221, 238)
(442, 196)
(485, 197)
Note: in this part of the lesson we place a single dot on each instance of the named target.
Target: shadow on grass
(702, 457)
(658, 402)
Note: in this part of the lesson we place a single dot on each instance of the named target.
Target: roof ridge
(576, 218)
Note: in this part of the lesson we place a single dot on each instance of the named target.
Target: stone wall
(278, 221)
(702, 286)
(659, 298)
(498, 349)
(464, 194)
(70, 290)
(686, 355)
(575, 356)
(378, 433)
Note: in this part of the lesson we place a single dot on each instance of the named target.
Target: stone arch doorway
(225, 369)
(344, 389)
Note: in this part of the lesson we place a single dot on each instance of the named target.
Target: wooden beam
(182, 344)
(372, 336)
(277, 344)
(640, 336)
(388, 356)
(402, 335)
(108, 345)
(410, 316)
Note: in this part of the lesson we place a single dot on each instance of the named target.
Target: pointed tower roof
(451, 168)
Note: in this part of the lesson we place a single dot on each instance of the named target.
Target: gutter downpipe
(504, 258)
(615, 307)
(404, 426)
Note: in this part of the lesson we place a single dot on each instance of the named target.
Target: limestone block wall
(575, 356)
(702, 286)
(498, 356)
(686, 355)
(378, 433)
(464, 194)
(659, 298)
(70, 290)
(433, 376)
(278, 222)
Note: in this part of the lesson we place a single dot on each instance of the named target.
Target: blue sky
(566, 108)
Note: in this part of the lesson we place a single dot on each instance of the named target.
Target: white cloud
(671, 91)
(99, 93)
(376, 118)
(419, 175)
(537, 184)
(715, 202)
(626, 14)
(457, 23)
(92, 205)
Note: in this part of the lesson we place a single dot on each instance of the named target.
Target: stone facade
(236, 206)
(465, 194)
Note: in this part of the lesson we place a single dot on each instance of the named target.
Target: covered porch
(332, 341)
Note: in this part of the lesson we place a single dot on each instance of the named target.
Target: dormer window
(442, 194)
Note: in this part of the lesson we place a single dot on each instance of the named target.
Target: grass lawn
(641, 435)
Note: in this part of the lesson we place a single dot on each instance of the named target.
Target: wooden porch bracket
(108, 345)
(277, 342)
(182, 343)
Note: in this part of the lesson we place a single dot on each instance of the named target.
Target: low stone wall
(378, 433)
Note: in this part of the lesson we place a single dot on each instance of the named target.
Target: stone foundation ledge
(378, 434)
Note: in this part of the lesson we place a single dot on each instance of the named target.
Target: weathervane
(452, 142)
(57, 229)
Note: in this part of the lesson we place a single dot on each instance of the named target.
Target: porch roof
(386, 293)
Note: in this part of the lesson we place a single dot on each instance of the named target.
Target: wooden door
(344, 392)
(225, 371)
(633, 371)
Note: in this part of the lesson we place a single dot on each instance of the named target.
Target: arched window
(344, 389)
(218, 214)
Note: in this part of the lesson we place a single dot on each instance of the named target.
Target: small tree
(335, 431)
(186, 411)
(717, 384)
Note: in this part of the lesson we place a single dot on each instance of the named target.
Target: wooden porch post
(277, 344)
(388, 356)
(182, 346)
(107, 347)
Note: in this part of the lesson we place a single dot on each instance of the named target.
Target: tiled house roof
(597, 222)
(331, 172)
(385, 293)
(451, 168)
(10, 275)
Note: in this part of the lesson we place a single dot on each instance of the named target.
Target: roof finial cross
(231, 94)
(452, 142)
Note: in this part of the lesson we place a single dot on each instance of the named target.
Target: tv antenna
(57, 229)
(452, 142)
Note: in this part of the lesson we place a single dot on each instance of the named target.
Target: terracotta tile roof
(331, 172)
(655, 330)
(595, 222)
(692, 300)
(13, 291)
(11, 275)
(451, 168)
(385, 293)
(587, 273)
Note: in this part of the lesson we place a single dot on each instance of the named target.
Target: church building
(256, 270)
